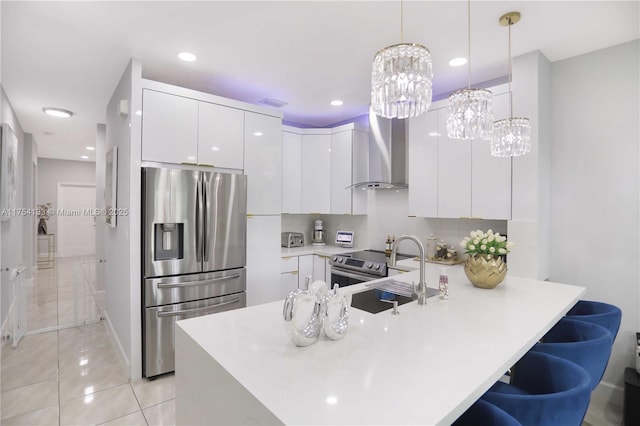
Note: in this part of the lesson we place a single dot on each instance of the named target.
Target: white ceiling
(71, 54)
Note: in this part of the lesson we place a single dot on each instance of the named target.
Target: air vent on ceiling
(272, 102)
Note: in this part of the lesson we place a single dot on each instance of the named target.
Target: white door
(76, 226)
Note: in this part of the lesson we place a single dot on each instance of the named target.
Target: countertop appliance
(318, 233)
(292, 239)
(359, 266)
(194, 253)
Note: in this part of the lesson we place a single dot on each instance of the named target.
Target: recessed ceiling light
(434, 134)
(90, 148)
(456, 62)
(257, 133)
(187, 57)
(57, 112)
(215, 148)
(84, 157)
(336, 102)
(138, 112)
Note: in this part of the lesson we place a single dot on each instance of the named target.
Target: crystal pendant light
(401, 78)
(470, 110)
(511, 136)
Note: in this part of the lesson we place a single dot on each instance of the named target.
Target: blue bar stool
(545, 391)
(603, 314)
(584, 343)
(486, 414)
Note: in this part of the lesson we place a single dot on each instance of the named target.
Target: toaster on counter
(292, 239)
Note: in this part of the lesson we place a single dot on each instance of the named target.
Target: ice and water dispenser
(168, 241)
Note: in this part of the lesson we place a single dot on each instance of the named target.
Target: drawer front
(185, 288)
(289, 264)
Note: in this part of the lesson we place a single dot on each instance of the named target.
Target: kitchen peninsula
(426, 365)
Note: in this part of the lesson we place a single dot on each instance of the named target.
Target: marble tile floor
(73, 377)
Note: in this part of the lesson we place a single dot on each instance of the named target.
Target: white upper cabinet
(263, 163)
(454, 173)
(349, 165)
(291, 188)
(341, 160)
(491, 176)
(452, 178)
(423, 165)
(169, 128)
(220, 136)
(315, 176)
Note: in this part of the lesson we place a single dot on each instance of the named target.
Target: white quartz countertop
(326, 250)
(424, 366)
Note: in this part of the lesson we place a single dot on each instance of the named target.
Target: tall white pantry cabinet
(190, 128)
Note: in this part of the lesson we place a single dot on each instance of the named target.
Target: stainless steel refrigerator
(194, 253)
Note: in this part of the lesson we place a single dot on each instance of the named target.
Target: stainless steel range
(359, 266)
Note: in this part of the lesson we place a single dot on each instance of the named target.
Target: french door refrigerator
(194, 253)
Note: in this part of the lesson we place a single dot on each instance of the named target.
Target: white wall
(12, 229)
(122, 244)
(30, 164)
(595, 185)
(51, 172)
(101, 135)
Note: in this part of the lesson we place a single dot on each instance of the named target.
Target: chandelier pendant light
(511, 136)
(401, 79)
(470, 110)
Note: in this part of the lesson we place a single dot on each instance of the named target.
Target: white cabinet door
(291, 187)
(315, 174)
(169, 128)
(360, 171)
(263, 163)
(305, 269)
(341, 164)
(491, 176)
(220, 136)
(423, 164)
(321, 268)
(454, 173)
(263, 259)
(288, 283)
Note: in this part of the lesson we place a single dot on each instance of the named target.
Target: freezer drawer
(159, 337)
(186, 288)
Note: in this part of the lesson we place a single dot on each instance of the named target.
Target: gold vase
(485, 270)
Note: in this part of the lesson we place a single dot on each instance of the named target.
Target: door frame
(59, 186)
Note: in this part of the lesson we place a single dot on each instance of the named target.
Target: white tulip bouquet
(486, 243)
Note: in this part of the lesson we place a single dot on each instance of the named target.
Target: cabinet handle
(294, 272)
(412, 215)
(470, 217)
(205, 165)
(249, 215)
(188, 164)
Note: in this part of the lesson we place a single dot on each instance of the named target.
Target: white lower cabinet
(305, 269)
(263, 259)
(288, 283)
(321, 268)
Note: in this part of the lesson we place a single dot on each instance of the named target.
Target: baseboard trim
(124, 359)
(609, 393)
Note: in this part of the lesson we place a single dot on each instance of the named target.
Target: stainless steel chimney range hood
(387, 154)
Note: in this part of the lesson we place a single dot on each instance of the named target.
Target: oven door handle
(197, 283)
(346, 274)
(190, 311)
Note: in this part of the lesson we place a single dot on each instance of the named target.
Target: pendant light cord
(469, 43)
(510, 74)
(401, 22)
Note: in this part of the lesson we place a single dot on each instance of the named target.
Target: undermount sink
(369, 300)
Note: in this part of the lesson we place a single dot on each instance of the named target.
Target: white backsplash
(388, 214)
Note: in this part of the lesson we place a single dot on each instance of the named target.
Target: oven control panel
(374, 268)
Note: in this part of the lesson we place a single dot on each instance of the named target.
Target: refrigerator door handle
(205, 220)
(197, 283)
(190, 311)
(198, 219)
